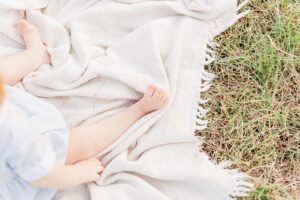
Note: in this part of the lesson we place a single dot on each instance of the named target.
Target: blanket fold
(104, 55)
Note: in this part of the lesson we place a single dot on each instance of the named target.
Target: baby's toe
(24, 25)
(150, 90)
(152, 86)
(156, 93)
(162, 95)
(166, 99)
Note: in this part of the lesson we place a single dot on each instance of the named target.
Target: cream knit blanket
(104, 55)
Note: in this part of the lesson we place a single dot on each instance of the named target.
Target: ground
(255, 99)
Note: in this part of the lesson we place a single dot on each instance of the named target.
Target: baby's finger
(96, 161)
(99, 169)
(96, 177)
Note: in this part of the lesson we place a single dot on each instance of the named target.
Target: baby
(38, 153)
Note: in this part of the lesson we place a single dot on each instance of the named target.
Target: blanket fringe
(241, 186)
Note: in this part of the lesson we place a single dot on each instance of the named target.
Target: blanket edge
(241, 185)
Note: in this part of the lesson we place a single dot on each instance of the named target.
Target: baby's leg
(13, 68)
(87, 141)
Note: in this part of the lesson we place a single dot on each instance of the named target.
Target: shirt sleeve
(30, 155)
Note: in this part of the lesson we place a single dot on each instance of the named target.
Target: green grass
(255, 107)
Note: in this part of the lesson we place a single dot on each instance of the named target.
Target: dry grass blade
(255, 107)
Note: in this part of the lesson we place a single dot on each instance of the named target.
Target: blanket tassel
(240, 180)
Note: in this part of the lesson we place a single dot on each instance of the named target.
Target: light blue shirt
(34, 137)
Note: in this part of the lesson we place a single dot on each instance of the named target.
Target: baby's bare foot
(33, 42)
(89, 170)
(154, 98)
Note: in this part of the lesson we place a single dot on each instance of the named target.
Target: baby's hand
(89, 170)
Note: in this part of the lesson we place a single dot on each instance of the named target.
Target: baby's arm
(64, 176)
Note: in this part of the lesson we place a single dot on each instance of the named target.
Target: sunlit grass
(255, 108)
